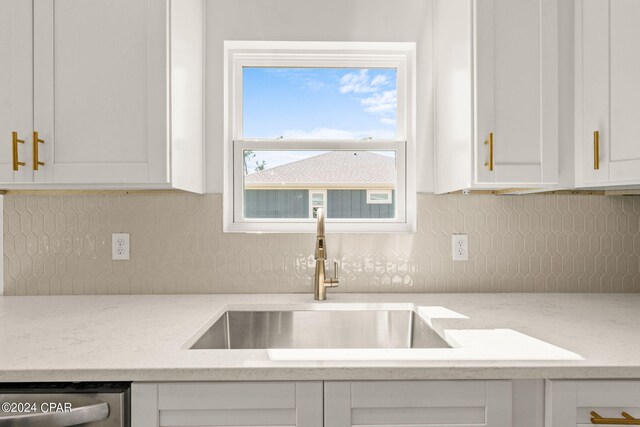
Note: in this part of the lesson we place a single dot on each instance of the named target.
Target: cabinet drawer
(418, 403)
(227, 395)
(294, 404)
(570, 403)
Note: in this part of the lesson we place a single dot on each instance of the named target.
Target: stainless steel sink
(319, 329)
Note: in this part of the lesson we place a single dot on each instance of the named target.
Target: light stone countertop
(140, 338)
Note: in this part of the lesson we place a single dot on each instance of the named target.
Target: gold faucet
(320, 281)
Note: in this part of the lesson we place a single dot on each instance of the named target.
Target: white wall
(318, 20)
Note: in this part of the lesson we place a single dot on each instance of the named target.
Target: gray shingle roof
(343, 169)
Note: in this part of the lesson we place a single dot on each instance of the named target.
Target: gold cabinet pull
(36, 141)
(596, 150)
(15, 142)
(627, 420)
(489, 142)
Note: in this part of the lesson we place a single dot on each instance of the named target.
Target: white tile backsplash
(535, 243)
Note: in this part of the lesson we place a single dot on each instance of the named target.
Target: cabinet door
(592, 91)
(625, 91)
(418, 403)
(570, 403)
(516, 91)
(608, 92)
(294, 404)
(100, 95)
(16, 88)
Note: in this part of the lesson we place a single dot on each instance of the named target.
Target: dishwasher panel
(65, 404)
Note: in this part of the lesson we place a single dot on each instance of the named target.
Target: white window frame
(388, 201)
(324, 200)
(239, 54)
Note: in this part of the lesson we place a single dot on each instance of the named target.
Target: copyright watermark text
(32, 407)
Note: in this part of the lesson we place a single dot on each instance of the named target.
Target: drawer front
(418, 403)
(570, 403)
(292, 404)
(227, 395)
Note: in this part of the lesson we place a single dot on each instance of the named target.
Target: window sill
(261, 227)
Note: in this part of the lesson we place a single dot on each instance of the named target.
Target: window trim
(387, 192)
(238, 54)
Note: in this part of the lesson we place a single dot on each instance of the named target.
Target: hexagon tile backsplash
(536, 243)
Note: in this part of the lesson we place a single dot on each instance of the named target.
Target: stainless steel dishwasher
(65, 404)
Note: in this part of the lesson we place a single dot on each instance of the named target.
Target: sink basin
(320, 329)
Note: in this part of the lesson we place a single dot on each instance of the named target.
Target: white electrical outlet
(120, 246)
(460, 247)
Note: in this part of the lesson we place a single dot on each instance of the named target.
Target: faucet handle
(332, 282)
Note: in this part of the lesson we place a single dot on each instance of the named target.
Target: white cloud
(379, 80)
(362, 82)
(385, 102)
(384, 105)
(330, 133)
(381, 103)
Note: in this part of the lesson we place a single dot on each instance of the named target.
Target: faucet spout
(321, 251)
(320, 222)
(320, 281)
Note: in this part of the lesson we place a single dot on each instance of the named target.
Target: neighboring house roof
(336, 169)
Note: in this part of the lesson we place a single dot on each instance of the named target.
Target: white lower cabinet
(571, 403)
(463, 403)
(418, 403)
(227, 404)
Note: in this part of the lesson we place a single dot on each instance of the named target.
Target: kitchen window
(312, 125)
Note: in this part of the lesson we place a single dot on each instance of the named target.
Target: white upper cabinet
(105, 75)
(496, 94)
(99, 98)
(607, 93)
(16, 90)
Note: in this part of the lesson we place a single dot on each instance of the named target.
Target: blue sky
(317, 103)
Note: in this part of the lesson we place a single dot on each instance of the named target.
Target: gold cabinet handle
(596, 150)
(489, 142)
(627, 420)
(36, 161)
(15, 142)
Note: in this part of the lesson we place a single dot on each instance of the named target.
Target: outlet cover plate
(460, 247)
(120, 246)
